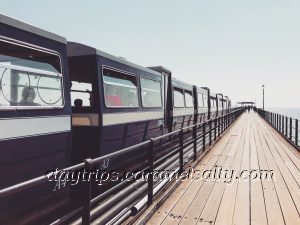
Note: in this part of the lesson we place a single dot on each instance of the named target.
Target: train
(62, 102)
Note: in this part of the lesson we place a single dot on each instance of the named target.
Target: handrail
(203, 135)
(288, 127)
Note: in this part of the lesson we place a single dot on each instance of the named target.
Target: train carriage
(35, 117)
(183, 104)
(116, 103)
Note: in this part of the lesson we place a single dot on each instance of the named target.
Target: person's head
(78, 103)
(28, 94)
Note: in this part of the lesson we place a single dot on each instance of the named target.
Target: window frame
(174, 97)
(35, 71)
(205, 103)
(213, 101)
(202, 100)
(125, 73)
(161, 99)
(191, 94)
(80, 91)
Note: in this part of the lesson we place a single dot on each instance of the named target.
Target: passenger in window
(129, 99)
(78, 103)
(28, 95)
(112, 96)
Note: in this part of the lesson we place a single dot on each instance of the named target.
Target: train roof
(182, 84)
(78, 49)
(160, 69)
(202, 90)
(31, 29)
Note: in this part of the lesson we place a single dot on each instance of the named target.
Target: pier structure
(264, 189)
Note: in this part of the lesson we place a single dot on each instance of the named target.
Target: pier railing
(130, 196)
(288, 127)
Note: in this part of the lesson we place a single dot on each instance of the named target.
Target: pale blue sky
(231, 46)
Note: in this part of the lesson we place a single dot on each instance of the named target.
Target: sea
(290, 112)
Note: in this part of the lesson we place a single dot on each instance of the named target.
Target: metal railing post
(296, 132)
(218, 126)
(209, 125)
(181, 151)
(222, 130)
(150, 175)
(286, 126)
(226, 122)
(86, 212)
(215, 129)
(291, 128)
(203, 136)
(282, 125)
(279, 128)
(195, 141)
(272, 118)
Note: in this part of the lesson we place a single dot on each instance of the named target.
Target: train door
(85, 107)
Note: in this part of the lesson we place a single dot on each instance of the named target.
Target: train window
(13, 54)
(188, 99)
(29, 77)
(178, 97)
(151, 93)
(220, 103)
(205, 100)
(120, 89)
(213, 102)
(81, 91)
(200, 100)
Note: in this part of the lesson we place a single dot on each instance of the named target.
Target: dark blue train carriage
(115, 104)
(35, 117)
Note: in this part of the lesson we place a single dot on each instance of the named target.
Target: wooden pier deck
(250, 144)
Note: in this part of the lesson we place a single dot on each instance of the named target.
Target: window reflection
(151, 93)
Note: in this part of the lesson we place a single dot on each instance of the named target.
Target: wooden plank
(211, 209)
(209, 194)
(257, 207)
(226, 208)
(283, 142)
(289, 150)
(273, 208)
(283, 165)
(288, 207)
(166, 208)
(242, 210)
(171, 214)
(161, 214)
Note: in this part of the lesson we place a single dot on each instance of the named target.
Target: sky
(232, 46)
